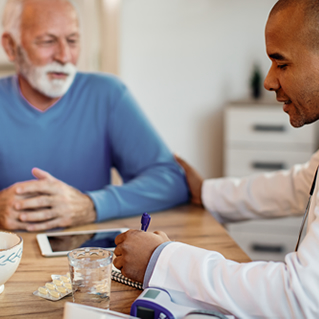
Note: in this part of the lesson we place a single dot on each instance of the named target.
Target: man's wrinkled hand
(9, 216)
(134, 250)
(48, 203)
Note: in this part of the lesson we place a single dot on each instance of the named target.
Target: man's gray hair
(11, 19)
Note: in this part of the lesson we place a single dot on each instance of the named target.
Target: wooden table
(188, 224)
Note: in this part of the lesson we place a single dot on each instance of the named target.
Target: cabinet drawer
(277, 226)
(264, 124)
(265, 247)
(242, 162)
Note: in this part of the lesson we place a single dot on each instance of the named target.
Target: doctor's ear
(9, 46)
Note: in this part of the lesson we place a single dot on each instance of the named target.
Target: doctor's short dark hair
(310, 33)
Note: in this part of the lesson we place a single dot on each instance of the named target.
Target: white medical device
(156, 303)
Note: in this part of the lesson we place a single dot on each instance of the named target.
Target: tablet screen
(69, 242)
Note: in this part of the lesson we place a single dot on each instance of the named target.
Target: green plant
(256, 82)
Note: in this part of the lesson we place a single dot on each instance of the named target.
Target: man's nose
(63, 52)
(271, 82)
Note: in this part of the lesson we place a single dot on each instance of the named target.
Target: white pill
(57, 282)
(65, 279)
(42, 291)
(68, 286)
(62, 290)
(54, 293)
(50, 286)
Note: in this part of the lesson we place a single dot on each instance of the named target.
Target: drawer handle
(267, 248)
(269, 128)
(273, 166)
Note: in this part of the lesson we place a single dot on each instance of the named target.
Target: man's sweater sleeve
(152, 180)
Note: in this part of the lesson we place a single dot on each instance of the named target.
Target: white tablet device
(60, 243)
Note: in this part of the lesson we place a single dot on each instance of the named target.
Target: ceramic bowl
(11, 246)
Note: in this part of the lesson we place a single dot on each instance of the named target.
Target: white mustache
(56, 67)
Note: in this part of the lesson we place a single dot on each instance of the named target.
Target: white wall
(184, 59)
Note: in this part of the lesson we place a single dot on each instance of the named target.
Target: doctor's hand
(48, 203)
(134, 250)
(194, 181)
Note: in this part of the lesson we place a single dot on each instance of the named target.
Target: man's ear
(9, 46)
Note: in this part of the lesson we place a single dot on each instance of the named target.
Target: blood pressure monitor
(156, 303)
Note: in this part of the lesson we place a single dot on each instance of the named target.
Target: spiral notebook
(117, 276)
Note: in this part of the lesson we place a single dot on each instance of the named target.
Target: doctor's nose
(271, 82)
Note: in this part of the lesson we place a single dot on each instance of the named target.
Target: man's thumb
(41, 174)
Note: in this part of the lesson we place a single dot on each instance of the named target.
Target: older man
(205, 279)
(69, 129)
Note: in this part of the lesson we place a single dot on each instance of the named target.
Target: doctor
(287, 289)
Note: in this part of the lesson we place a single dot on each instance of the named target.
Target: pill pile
(59, 287)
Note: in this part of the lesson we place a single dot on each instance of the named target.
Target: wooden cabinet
(259, 138)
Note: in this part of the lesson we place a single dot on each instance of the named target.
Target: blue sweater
(95, 126)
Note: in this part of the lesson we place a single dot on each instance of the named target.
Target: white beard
(38, 77)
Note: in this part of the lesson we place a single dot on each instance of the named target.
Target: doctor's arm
(247, 290)
(264, 195)
(208, 281)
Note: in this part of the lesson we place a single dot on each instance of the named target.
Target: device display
(60, 243)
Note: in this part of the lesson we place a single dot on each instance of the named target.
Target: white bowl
(11, 246)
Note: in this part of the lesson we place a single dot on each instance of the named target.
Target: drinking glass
(90, 273)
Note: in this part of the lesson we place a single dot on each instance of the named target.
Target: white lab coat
(287, 289)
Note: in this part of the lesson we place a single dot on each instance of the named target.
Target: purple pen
(145, 221)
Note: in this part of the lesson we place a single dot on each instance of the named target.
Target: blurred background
(182, 59)
(192, 65)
